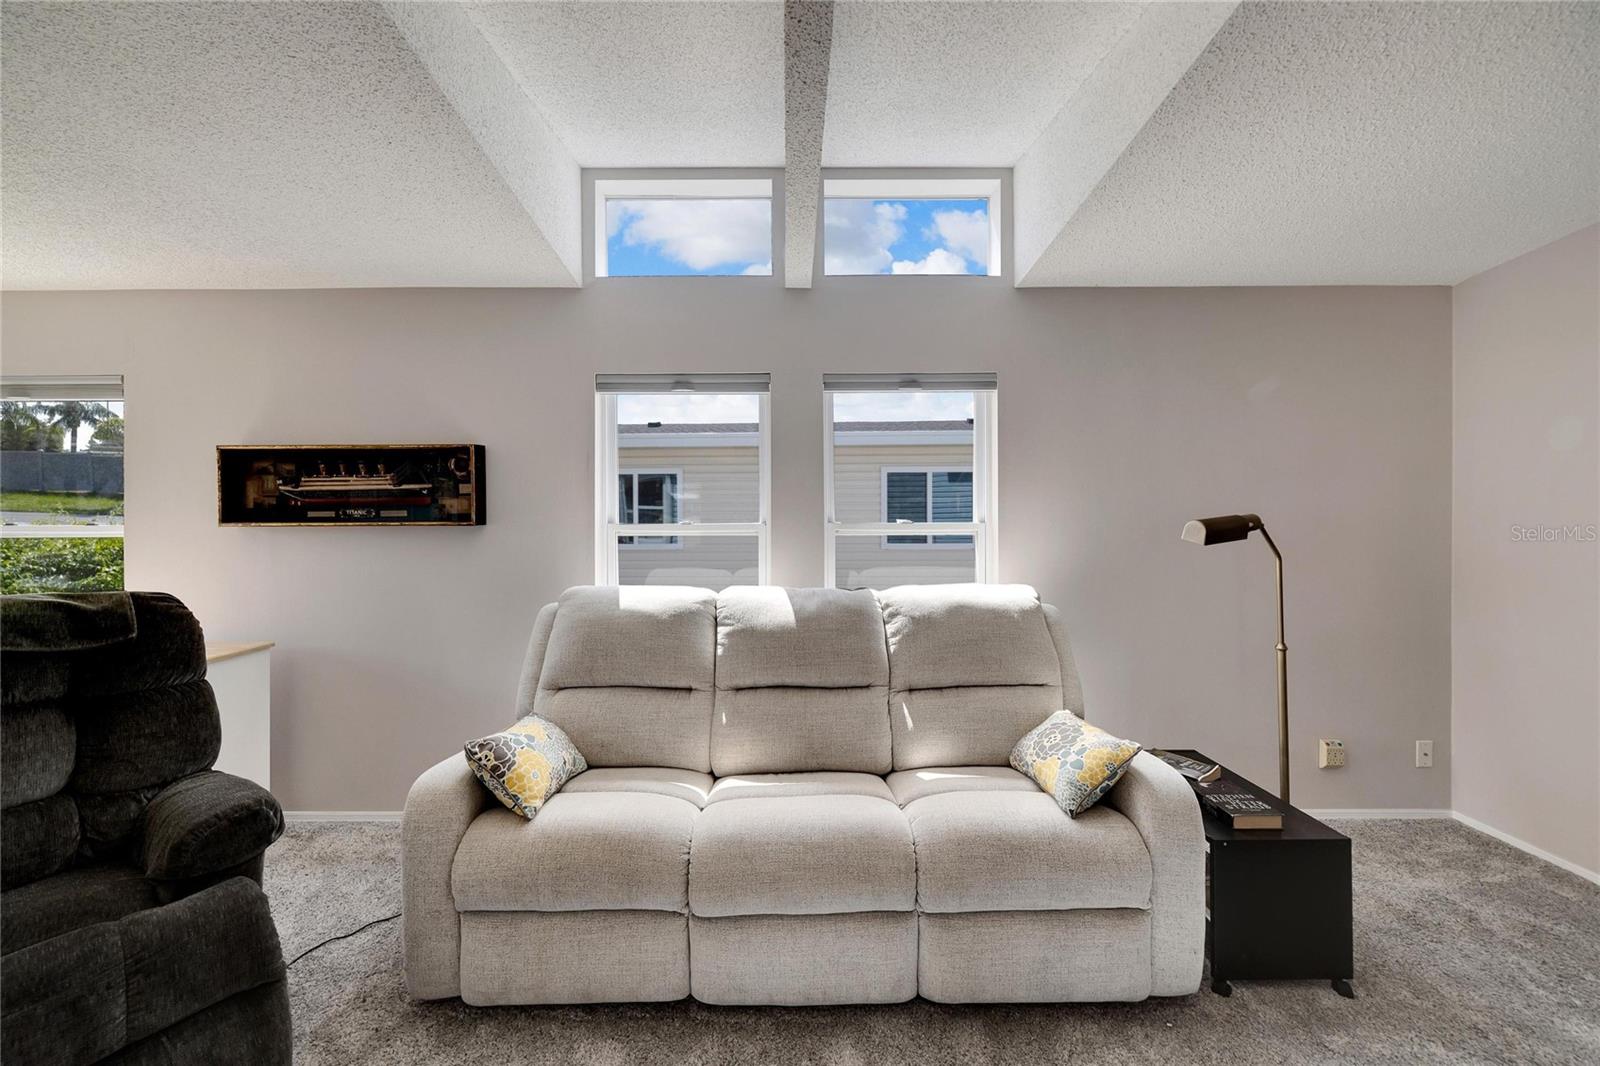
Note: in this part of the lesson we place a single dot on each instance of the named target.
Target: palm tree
(21, 430)
(75, 413)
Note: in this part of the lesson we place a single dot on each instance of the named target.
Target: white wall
(1525, 617)
(1122, 414)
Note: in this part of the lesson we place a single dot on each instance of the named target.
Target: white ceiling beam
(807, 44)
(514, 136)
(1089, 134)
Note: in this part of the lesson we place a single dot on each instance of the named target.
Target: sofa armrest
(1162, 807)
(441, 805)
(207, 823)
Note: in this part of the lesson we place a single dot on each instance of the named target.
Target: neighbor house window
(909, 479)
(61, 484)
(911, 226)
(675, 228)
(682, 474)
(647, 498)
(927, 496)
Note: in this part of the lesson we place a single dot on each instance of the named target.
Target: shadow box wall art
(350, 485)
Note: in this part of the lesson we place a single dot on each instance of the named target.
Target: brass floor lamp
(1222, 530)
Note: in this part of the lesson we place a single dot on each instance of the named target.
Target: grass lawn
(50, 502)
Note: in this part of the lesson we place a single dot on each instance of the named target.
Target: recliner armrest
(208, 823)
(441, 805)
(1163, 808)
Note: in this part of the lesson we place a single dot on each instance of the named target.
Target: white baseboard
(1523, 845)
(1367, 813)
(341, 816)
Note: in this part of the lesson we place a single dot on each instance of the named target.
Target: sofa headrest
(806, 638)
(632, 636)
(65, 623)
(953, 636)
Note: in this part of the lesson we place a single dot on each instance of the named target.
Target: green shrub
(60, 564)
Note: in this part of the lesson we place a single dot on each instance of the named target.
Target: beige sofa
(801, 796)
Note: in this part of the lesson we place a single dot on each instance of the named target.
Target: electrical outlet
(1424, 754)
(1330, 754)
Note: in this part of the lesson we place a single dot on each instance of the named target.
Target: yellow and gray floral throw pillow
(1075, 762)
(525, 764)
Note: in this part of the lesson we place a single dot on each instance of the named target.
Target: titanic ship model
(377, 490)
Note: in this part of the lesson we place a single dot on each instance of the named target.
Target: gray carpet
(1466, 951)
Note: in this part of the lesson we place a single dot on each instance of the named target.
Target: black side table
(1278, 901)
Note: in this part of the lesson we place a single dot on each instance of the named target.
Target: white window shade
(932, 382)
(99, 387)
(649, 384)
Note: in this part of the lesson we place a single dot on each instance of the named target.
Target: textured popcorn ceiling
(653, 84)
(1388, 143)
(229, 145)
(957, 84)
(298, 144)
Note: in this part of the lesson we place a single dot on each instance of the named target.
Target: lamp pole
(1283, 676)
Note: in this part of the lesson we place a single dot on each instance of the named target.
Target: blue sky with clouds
(665, 238)
(905, 236)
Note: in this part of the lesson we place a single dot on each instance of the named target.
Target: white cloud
(938, 261)
(687, 407)
(700, 234)
(762, 269)
(857, 235)
(966, 232)
(901, 406)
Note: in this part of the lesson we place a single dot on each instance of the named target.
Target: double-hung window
(61, 484)
(682, 474)
(909, 479)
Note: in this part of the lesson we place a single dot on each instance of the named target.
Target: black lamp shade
(1222, 529)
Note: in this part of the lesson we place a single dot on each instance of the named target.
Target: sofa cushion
(154, 736)
(627, 674)
(971, 668)
(658, 780)
(910, 785)
(816, 783)
(999, 851)
(37, 839)
(584, 851)
(71, 900)
(801, 682)
(37, 746)
(801, 855)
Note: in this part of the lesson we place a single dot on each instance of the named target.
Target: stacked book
(1224, 799)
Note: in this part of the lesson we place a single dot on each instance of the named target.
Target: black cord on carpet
(343, 936)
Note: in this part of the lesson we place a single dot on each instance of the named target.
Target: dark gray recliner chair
(133, 928)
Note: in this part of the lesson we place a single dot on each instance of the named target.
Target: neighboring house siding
(858, 489)
(715, 485)
(719, 484)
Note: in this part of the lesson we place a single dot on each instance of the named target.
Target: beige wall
(1122, 413)
(1525, 618)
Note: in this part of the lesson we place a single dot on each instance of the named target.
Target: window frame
(656, 543)
(92, 388)
(677, 185)
(607, 466)
(912, 185)
(928, 538)
(984, 527)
